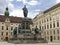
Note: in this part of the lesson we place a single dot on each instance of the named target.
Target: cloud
(32, 14)
(31, 2)
(4, 4)
(23, 1)
(57, 1)
(11, 0)
(11, 7)
(19, 0)
(13, 10)
(37, 10)
(17, 12)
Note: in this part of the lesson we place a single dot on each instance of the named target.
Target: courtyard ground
(6, 43)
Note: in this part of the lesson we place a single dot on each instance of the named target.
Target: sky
(33, 6)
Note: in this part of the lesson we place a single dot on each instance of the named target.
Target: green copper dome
(6, 13)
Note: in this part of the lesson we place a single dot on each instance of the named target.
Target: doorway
(51, 38)
(6, 38)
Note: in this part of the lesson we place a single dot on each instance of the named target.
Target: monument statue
(15, 32)
(19, 29)
(25, 11)
(6, 13)
(36, 30)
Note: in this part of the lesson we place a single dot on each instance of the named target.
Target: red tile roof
(14, 19)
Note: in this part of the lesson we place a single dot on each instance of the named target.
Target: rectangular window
(2, 27)
(57, 24)
(47, 19)
(50, 32)
(53, 25)
(57, 31)
(2, 33)
(50, 18)
(54, 37)
(50, 25)
(58, 37)
(47, 32)
(11, 28)
(54, 31)
(11, 33)
(6, 33)
(6, 28)
(40, 27)
(47, 26)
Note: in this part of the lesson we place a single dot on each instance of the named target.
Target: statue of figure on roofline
(25, 11)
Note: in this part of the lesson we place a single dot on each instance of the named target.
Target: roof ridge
(53, 7)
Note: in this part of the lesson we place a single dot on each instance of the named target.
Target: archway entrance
(51, 38)
(6, 38)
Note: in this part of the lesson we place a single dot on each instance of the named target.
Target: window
(11, 33)
(2, 33)
(11, 28)
(50, 32)
(54, 31)
(47, 19)
(42, 20)
(47, 32)
(54, 37)
(6, 28)
(57, 24)
(40, 27)
(57, 31)
(2, 27)
(50, 18)
(50, 25)
(53, 25)
(47, 26)
(58, 37)
(6, 33)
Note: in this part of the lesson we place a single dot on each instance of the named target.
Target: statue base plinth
(24, 39)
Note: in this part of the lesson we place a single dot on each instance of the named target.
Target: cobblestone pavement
(6, 43)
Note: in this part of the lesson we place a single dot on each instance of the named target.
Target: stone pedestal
(26, 36)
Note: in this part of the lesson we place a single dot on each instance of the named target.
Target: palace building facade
(48, 22)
